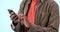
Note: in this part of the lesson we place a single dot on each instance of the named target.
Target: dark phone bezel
(10, 11)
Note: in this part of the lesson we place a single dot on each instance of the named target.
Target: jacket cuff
(12, 26)
(14, 23)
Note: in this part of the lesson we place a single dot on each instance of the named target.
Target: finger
(12, 14)
(16, 18)
(21, 18)
(20, 15)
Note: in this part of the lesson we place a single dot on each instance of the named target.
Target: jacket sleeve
(53, 22)
(18, 27)
(15, 25)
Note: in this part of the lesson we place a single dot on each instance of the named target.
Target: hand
(24, 20)
(14, 17)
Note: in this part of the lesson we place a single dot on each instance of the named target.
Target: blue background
(5, 20)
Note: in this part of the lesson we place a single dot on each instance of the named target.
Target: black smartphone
(10, 11)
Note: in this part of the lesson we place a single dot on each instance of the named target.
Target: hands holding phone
(14, 17)
(23, 19)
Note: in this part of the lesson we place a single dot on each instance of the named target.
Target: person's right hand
(14, 17)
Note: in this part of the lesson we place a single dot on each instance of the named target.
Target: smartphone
(10, 11)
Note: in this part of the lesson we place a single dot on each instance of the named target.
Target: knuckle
(13, 16)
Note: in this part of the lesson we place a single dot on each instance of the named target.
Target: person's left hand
(24, 20)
